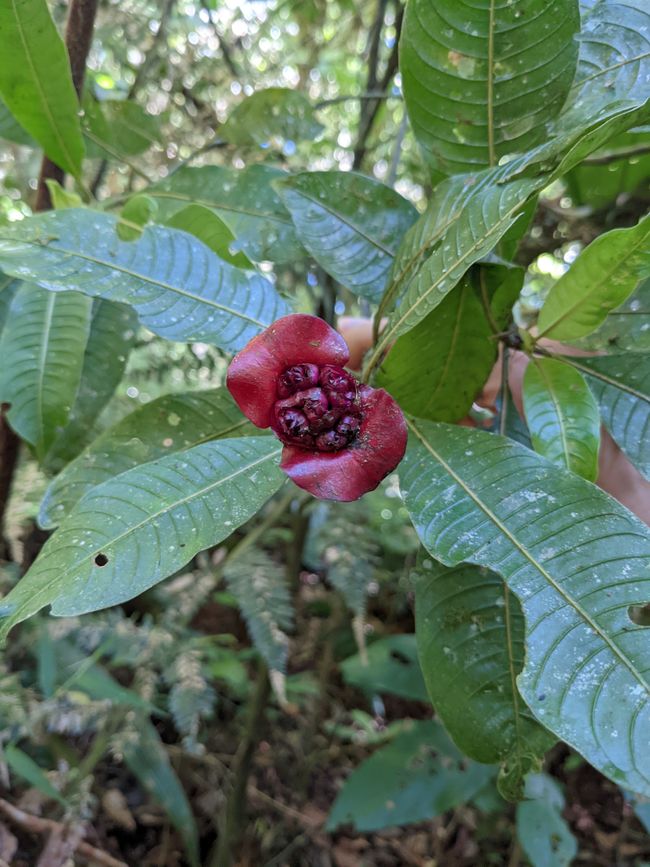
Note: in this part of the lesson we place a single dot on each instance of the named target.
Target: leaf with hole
(169, 424)
(42, 361)
(562, 416)
(36, 82)
(599, 281)
(134, 530)
(178, 287)
(351, 225)
(243, 198)
(484, 80)
(470, 635)
(577, 561)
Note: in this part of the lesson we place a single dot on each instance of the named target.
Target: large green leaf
(576, 559)
(463, 223)
(11, 130)
(244, 198)
(437, 368)
(128, 534)
(178, 287)
(351, 225)
(599, 184)
(270, 116)
(42, 359)
(621, 384)
(470, 633)
(601, 278)
(36, 82)
(626, 329)
(112, 334)
(205, 225)
(483, 80)
(167, 425)
(562, 416)
(419, 775)
(145, 755)
(8, 288)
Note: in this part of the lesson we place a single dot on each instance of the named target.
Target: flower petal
(348, 474)
(294, 339)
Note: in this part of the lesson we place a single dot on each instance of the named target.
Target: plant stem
(236, 804)
(78, 36)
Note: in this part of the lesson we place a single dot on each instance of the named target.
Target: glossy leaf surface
(167, 425)
(600, 280)
(577, 561)
(482, 80)
(42, 359)
(178, 287)
(245, 199)
(134, 530)
(36, 82)
(350, 224)
(562, 416)
(470, 633)
(205, 225)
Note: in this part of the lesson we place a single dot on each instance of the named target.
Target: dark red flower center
(318, 407)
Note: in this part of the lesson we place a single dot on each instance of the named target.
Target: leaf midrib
(44, 101)
(219, 206)
(529, 557)
(171, 506)
(604, 278)
(540, 367)
(114, 266)
(44, 345)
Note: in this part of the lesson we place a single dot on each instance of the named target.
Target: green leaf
(244, 199)
(42, 359)
(601, 278)
(259, 584)
(391, 667)
(413, 779)
(205, 225)
(436, 369)
(562, 416)
(470, 633)
(627, 328)
(145, 755)
(545, 837)
(133, 531)
(36, 82)
(483, 80)
(575, 558)
(351, 225)
(463, 223)
(136, 213)
(112, 334)
(178, 288)
(24, 766)
(62, 198)
(8, 288)
(271, 116)
(11, 130)
(621, 385)
(169, 424)
(599, 184)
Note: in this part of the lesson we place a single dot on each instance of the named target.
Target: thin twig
(47, 826)
(614, 156)
(374, 94)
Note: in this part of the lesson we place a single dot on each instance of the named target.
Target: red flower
(341, 438)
